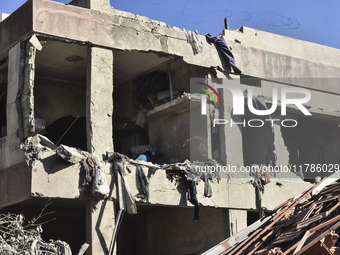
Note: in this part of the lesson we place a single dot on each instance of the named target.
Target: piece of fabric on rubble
(182, 169)
(93, 173)
(88, 172)
(142, 183)
(261, 178)
(226, 55)
(192, 194)
(100, 188)
(142, 157)
(193, 39)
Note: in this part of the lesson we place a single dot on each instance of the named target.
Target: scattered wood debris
(308, 224)
(303, 226)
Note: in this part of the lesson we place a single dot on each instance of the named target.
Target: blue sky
(311, 20)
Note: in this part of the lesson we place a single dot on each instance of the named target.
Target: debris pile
(16, 237)
(308, 224)
(39, 148)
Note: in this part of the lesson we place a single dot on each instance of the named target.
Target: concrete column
(99, 111)
(237, 220)
(281, 150)
(232, 134)
(12, 154)
(99, 108)
(99, 5)
(100, 226)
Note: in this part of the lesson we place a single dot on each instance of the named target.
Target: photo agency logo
(293, 97)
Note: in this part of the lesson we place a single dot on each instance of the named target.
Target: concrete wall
(268, 57)
(26, 93)
(60, 98)
(237, 220)
(15, 184)
(173, 230)
(169, 132)
(17, 26)
(102, 5)
(54, 172)
(10, 145)
(290, 59)
(226, 193)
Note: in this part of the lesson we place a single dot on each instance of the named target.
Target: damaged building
(82, 83)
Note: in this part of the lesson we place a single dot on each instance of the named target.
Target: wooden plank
(309, 212)
(333, 208)
(307, 222)
(302, 241)
(325, 224)
(287, 237)
(305, 213)
(318, 209)
(327, 199)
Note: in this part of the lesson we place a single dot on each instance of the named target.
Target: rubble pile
(16, 237)
(308, 224)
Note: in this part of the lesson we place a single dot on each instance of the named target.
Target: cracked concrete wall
(127, 31)
(281, 151)
(254, 50)
(27, 97)
(118, 30)
(10, 145)
(20, 102)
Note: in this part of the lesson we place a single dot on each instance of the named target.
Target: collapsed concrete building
(72, 72)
